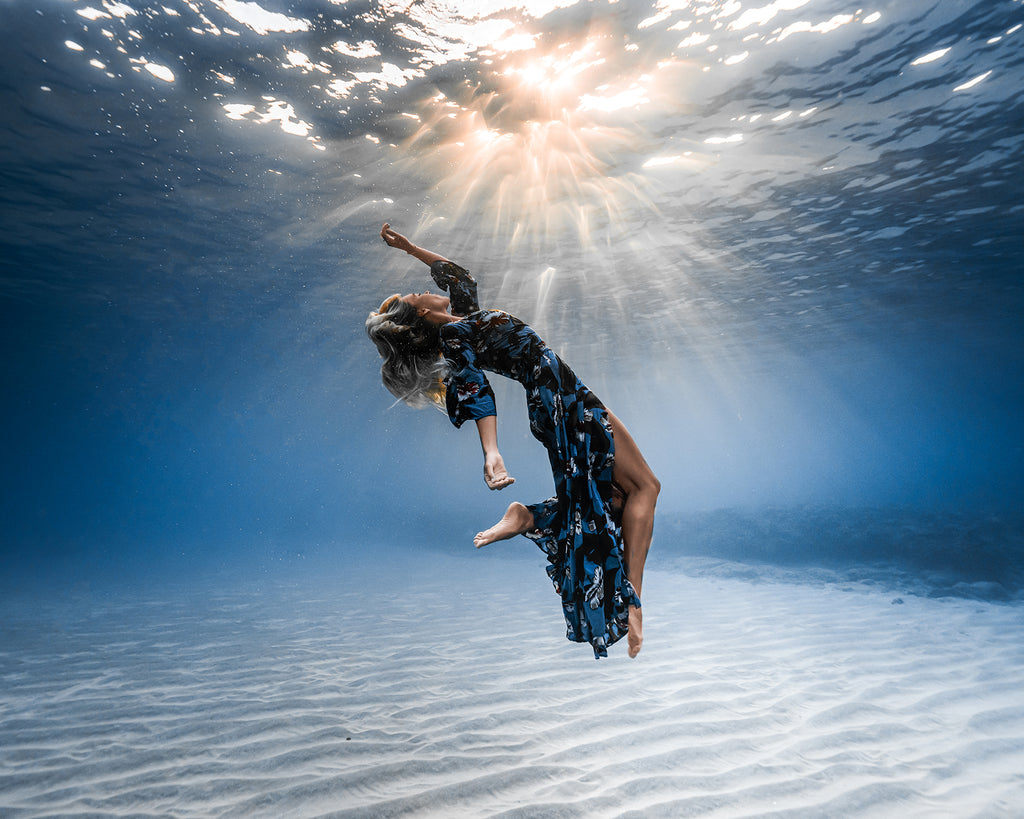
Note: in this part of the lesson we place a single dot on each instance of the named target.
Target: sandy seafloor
(443, 686)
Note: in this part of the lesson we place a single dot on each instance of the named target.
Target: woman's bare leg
(641, 488)
(517, 519)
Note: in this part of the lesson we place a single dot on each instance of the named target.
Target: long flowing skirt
(578, 529)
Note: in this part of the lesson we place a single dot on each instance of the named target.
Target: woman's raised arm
(397, 240)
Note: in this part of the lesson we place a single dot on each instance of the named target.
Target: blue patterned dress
(577, 528)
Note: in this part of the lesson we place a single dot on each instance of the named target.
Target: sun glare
(530, 154)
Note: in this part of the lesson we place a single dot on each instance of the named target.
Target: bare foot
(635, 637)
(517, 519)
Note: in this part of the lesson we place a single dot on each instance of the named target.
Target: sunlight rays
(542, 181)
(527, 151)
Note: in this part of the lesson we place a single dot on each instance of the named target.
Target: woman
(597, 529)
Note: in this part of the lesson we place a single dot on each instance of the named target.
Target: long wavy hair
(413, 369)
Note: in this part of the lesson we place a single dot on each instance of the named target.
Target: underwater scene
(781, 240)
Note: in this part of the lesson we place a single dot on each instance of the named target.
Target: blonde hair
(413, 369)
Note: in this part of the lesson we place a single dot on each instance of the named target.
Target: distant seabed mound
(930, 553)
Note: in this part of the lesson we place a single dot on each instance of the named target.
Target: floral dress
(577, 529)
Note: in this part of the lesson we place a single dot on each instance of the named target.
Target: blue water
(783, 244)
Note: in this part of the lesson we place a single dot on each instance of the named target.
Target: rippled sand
(445, 688)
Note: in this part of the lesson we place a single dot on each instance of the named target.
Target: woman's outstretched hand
(394, 239)
(397, 240)
(495, 474)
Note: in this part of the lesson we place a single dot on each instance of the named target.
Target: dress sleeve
(460, 285)
(468, 396)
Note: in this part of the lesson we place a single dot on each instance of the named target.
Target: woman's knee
(640, 484)
(648, 487)
(652, 485)
(632, 472)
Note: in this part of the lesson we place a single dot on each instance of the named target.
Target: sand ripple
(312, 699)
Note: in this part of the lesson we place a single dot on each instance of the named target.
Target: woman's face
(428, 301)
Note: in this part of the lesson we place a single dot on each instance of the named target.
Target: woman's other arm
(446, 274)
(495, 474)
(397, 240)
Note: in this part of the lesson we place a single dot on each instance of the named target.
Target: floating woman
(597, 529)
